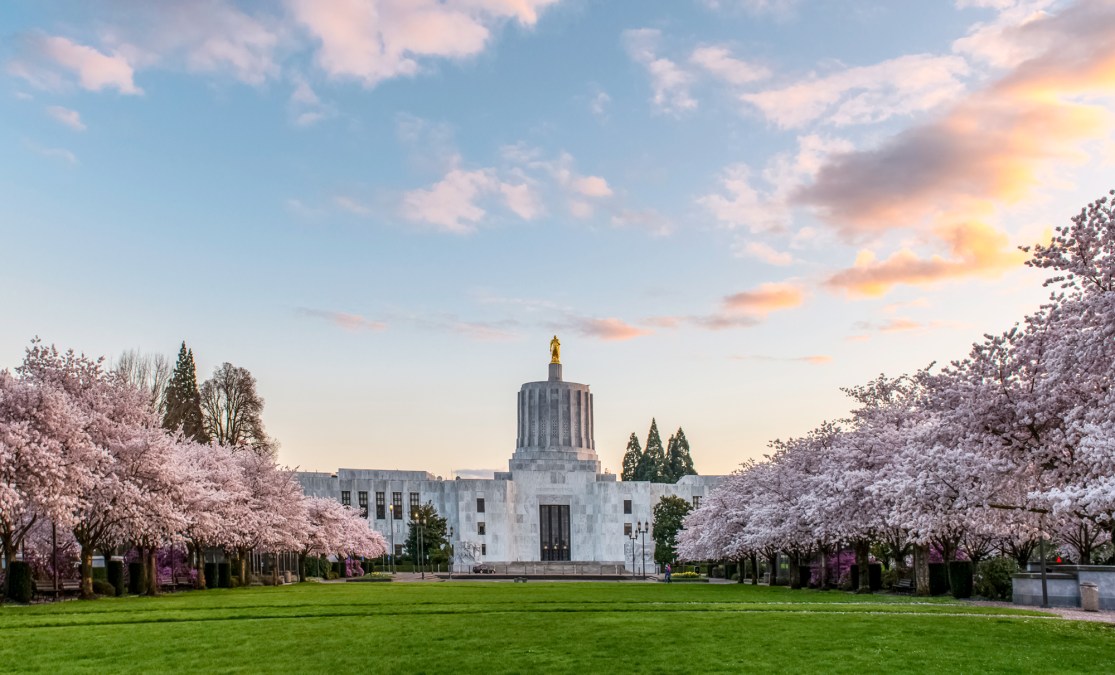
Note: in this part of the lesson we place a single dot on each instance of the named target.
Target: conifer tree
(678, 460)
(631, 458)
(653, 462)
(183, 401)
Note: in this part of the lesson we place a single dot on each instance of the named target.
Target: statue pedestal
(555, 372)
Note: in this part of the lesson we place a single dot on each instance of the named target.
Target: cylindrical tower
(555, 424)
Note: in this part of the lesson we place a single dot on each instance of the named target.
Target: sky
(726, 210)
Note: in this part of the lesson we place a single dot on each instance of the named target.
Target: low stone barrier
(1063, 585)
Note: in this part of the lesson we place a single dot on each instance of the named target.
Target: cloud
(582, 191)
(610, 329)
(349, 322)
(719, 61)
(1003, 43)
(70, 118)
(767, 297)
(669, 82)
(976, 249)
(988, 149)
(867, 94)
(760, 203)
(599, 105)
(648, 220)
(591, 186)
(374, 41)
(54, 153)
(453, 204)
(814, 359)
(304, 105)
(351, 205)
(43, 56)
(899, 325)
(759, 7)
(764, 252)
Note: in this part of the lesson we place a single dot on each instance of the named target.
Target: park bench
(904, 586)
(65, 587)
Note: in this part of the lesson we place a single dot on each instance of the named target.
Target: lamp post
(633, 536)
(391, 521)
(452, 552)
(642, 529)
(420, 521)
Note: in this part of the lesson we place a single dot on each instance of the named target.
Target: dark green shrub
(938, 578)
(805, 574)
(224, 575)
(960, 578)
(20, 586)
(338, 569)
(104, 588)
(874, 576)
(993, 578)
(211, 573)
(137, 578)
(889, 578)
(100, 574)
(234, 582)
(115, 574)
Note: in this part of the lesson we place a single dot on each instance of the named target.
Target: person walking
(667, 572)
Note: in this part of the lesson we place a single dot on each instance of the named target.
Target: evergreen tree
(669, 513)
(183, 402)
(678, 461)
(653, 461)
(631, 458)
(435, 542)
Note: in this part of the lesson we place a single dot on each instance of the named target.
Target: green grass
(541, 627)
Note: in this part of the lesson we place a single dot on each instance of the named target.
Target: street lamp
(391, 520)
(452, 551)
(633, 536)
(641, 529)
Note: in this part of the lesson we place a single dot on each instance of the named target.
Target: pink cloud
(610, 329)
(349, 322)
(765, 298)
(95, 70)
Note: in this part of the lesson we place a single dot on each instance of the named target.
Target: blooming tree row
(994, 452)
(82, 448)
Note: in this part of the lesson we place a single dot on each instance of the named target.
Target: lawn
(540, 627)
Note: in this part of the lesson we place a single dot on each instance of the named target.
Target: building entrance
(553, 531)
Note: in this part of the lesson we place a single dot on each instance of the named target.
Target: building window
(346, 497)
(362, 499)
(627, 506)
(696, 501)
(483, 549)
(381, 507)
(396, 505)
(627, 529)
(398, 549)
(480, 505)
(413, 504)
(480, 527)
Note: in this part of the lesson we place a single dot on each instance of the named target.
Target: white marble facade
(498, 520)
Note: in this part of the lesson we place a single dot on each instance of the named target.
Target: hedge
(211, 573)
(224, 575)
(874, 577)
(960, 578)
(137, 578)
(115, 573)
(938, 579)
(20, 586)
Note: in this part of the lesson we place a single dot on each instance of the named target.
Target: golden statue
(555, 350)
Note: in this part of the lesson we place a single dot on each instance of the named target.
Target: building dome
(555, 424)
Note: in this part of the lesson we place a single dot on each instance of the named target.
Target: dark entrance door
(553, 531)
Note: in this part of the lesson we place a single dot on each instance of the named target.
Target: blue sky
(726, 210)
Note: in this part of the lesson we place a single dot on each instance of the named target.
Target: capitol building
(552, 505)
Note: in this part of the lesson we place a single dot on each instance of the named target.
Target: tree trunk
(199, 565)
(862, 548)
(823, 581)
(242, 555)
(152, 563)
(754, 559)
(9, 558)
(795, 569)
(301, 567)
(86, 572)
(772, 569)
(921, 569)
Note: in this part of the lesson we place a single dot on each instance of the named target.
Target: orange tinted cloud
(976, 248)
(989, 150)
(608, 329)
(766, 298)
